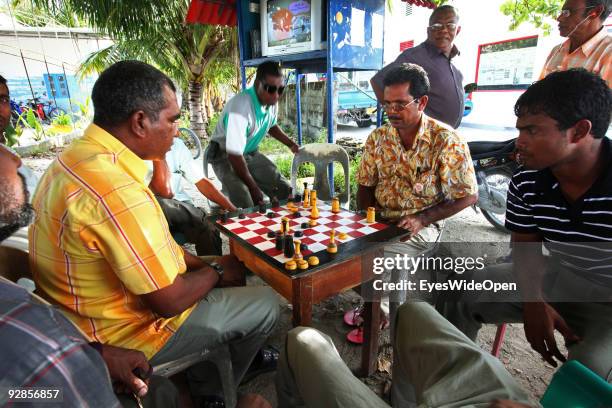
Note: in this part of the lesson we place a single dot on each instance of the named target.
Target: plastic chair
(214, 207)
(499, 339)
(321, 155)
(575, 386)
(220, 356)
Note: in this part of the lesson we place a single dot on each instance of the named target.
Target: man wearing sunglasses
(435, 56)
(246, 174)
(588, 45)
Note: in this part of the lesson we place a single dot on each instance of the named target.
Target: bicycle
(192, 141)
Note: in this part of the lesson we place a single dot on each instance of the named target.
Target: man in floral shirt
(415, 170)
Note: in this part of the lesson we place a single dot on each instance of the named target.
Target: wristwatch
(217, 267)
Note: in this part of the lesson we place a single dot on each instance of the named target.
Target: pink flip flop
(353, 317)
(355, 336)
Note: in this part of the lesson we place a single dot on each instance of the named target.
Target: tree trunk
(196, 115)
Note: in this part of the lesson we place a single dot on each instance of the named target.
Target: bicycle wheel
(192, 141)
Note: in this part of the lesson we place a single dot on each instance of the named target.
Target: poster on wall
(506, 65)
(290, 22)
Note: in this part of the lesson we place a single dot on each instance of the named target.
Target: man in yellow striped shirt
(100, 247)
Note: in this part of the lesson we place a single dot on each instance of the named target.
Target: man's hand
(541, 320)
(508, 404)
(234, 273)
(256, 195)
(294, 148)
(413, 223)
(120, 363)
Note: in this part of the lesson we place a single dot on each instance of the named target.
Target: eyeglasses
(272, 89)
(440, 26)
(397, 106)
(565, 13)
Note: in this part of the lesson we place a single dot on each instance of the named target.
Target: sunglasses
(397, 106)
(271, 89)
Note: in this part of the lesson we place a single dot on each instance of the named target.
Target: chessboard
(256, 229)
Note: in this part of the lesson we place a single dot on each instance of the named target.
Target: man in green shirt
(245, 174)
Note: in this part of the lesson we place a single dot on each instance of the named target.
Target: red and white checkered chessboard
(253, 229)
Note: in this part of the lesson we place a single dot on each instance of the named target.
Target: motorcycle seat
(482, 150)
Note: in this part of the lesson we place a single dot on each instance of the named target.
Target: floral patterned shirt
(437, 167)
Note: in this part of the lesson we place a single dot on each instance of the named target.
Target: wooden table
(336, 273)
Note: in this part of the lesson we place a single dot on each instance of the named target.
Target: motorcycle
(494, 163)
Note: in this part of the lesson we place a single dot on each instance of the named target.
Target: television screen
(289, 22)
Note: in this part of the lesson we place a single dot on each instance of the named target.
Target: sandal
(353, 316)
(355, 336)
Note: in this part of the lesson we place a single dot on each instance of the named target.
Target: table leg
(302, 302)
(371, 330)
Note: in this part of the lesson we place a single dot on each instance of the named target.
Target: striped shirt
(595, 56)
(579, 235)
(39, 347)
(99, 240)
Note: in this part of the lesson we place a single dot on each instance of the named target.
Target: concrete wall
(314, 108)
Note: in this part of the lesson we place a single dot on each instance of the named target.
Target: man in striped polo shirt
(561, 197)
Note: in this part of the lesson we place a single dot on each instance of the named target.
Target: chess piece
(298, 234)
(342, 236)
(274, 202)
(371, 215)
(297, 255)
(271, 234)
(271, 215)
(262, 208)
(242, 215)
(335, 205)
(306, 196)
(290, 265)
(314, 211)
(332, 248)
(312, 223)
(313, 261)
(302, 264)
(297, 198)
(313, 196)
(297, 214)
(304, 247)
(224, 216)
(289, 249)
(285, 225)
(279, 242)
(304, 225)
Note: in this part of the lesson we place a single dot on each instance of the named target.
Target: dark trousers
(189, 220)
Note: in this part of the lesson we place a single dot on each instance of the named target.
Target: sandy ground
(467, 226)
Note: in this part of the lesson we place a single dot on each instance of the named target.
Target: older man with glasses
(588, 44)
(245, 173)
(435, 55)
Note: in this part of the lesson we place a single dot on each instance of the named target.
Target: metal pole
(27, 74)
(330, 93)
(241, 43)
(67, 89)
(298, 97)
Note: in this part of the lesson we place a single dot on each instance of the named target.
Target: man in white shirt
(182, 215)
(245, 173)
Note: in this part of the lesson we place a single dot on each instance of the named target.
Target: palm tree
(156, 32)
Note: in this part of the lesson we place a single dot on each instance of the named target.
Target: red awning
(214, 12)
(421, 3)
